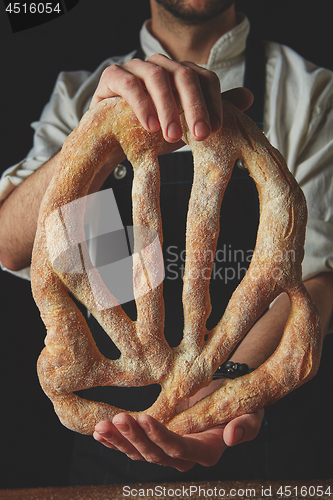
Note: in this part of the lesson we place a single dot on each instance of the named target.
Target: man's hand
(148, 440)
(149, 87)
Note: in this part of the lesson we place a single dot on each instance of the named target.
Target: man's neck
(185, 42)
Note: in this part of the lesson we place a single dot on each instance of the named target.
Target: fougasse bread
(71, 361)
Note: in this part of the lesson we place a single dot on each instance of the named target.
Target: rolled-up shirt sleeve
(70, 99)
(314, 172)
(299, 111)
(59, 117)
(55, 124)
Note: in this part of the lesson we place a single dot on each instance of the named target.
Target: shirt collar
(226, 51)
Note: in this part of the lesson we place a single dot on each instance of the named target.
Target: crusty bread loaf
(71, 361)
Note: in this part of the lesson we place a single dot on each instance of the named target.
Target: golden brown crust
(71, 361)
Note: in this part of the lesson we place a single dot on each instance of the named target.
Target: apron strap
(255, 77)
(139, 54)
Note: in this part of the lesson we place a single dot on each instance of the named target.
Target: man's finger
(117, 81)
(127, 436)
(211, 94)
(241, 97)
(190, 83)
(243, 428)
(204, 448)
(111, 437)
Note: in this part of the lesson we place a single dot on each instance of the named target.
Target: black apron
(93, 463)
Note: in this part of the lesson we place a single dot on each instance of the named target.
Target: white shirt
(298, 120)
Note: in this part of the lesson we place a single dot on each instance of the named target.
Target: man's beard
(189, 15)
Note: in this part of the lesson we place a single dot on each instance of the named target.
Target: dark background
(34, 447)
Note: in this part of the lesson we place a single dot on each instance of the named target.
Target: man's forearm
(265, 335)
(18, 217)
(19, 212)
